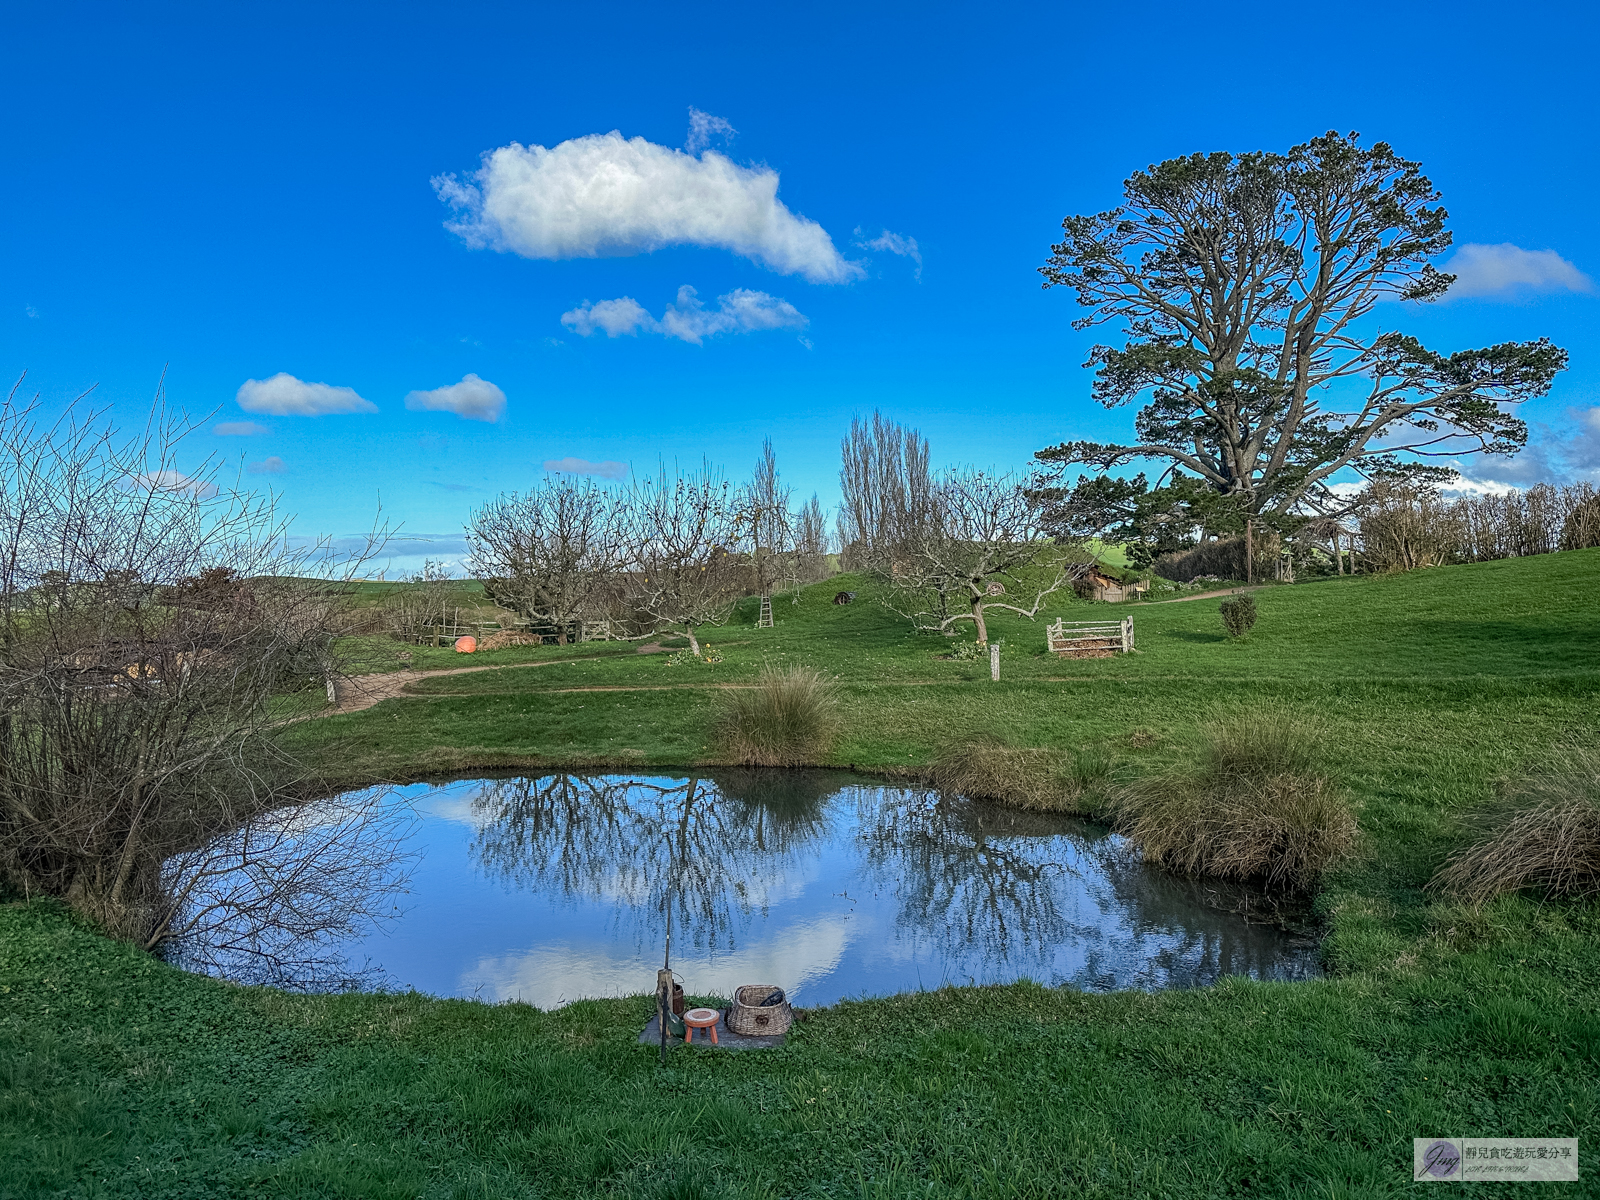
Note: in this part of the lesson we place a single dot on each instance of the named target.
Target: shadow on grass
(1191, 635)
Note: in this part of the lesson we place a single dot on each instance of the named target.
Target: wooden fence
(1090, 639)
(445, 631)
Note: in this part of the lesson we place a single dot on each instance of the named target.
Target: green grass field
(122, 1077)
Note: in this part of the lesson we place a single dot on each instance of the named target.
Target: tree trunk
(977, 616)
(1249, 550)
(694, 642)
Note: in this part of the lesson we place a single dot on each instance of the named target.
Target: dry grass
(789, 719)
(1032, 778)
(1253, 807)
(1543, 834)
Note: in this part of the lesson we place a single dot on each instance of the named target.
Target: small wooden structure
(764, 618)
(1112, 591)
(1090, 639)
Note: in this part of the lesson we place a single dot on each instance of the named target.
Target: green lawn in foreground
(120, 1076)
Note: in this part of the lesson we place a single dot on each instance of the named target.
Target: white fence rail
(1077, 637)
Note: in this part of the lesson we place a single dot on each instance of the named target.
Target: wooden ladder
(764, 621)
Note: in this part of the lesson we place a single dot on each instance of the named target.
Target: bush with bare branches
(151, 622)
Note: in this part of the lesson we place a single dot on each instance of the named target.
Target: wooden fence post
(994, 661)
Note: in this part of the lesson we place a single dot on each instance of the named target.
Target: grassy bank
(124, 1077)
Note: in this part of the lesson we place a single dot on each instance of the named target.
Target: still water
(554, 888)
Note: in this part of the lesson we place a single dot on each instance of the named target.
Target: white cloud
(705, 129)
(582, 466)
(473, 399)
(687, 318)
(894, 243)
(174, 481)
(622, 316)
(558, 973)
(1463, 485)
(603, 195)
(285, 396)
(33, 313)
(1507, 269)
(240, 429)
(272, 466)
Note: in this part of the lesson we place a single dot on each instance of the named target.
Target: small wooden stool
(700, 1018)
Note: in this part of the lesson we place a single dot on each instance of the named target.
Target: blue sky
(241, 192)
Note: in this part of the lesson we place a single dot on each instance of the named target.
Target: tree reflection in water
(713, 843)
(969, 876)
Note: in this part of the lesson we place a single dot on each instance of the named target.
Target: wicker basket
(752, 1020)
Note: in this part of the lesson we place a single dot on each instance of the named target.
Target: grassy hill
(120, 1076)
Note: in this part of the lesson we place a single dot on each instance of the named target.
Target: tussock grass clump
(789, 719)
(1032, 778)
(1254, 807)
(1543, 834)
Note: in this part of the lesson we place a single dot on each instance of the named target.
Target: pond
(553, 888)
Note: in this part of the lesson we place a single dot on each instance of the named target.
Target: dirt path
(1210, 595)
(363, 691)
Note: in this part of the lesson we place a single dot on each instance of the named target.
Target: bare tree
(680, 532)
(766, 523)
(983, 548)
(552, 553)
(887, 491)
(420, 607)
(809, 562)
(153, 624)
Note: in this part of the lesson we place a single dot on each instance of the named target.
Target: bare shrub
(421, 608)
(1254, 807)
(153, 630)
(1543, 834)
(1238, 615)
(789, 719)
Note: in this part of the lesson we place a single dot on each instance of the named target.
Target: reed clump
(1542, 834)
(1034, 778)
(1254, 806)
(789, 719)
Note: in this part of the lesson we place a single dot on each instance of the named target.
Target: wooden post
(1127, 634)
(994, 661)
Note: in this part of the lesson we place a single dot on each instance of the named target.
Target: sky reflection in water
(551, 889)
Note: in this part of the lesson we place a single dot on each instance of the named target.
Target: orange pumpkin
(466, 645)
